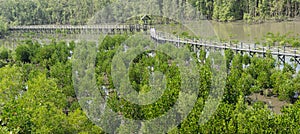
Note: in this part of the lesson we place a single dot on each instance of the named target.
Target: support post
(282, 59)
(297, 60)
(295, 56)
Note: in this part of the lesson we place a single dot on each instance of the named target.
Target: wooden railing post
(178, 44)
(263, 52)
(249, 47)
(295, 57)
(241, 45)
(195, 43)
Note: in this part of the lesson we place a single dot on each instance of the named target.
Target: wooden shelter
(146, 19)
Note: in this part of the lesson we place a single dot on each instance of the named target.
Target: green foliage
(246, 59)
(10, 83)
(283, 84)
(23, 54)
(260, 69)
(3, 27)
(227, 10)
(107, 49)
(62, 74)
(229, 56)
(37, 92)
(37, 95)
(288, 68)
(287, 39)
(4, 54)
(41, 12)
(22, 12)
(245, 83)
(251, 11)
(78, 122)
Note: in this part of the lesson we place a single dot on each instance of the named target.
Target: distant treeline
(30, 12)
(229, 10)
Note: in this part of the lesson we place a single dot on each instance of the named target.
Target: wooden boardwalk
(251, 49)
(79, 29)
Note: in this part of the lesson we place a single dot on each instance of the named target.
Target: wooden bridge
(79, 29)
(251, 49)
(160, 37)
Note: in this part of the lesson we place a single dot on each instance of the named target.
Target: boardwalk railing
(252, 49)
(79, 28)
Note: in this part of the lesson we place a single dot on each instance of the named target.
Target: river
(240, 31)
(253, 32)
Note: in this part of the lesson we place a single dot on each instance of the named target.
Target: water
(243, 32)
(253, 32)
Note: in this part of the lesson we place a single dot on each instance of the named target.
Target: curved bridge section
(251, 49)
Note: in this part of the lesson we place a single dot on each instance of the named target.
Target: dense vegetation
(277, 39)
(24, 12)
(37, 94)
(31, 12)
(229, 10)
(3, 27)
(37, 91)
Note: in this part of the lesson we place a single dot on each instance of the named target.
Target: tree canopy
(38, 12)
(37, 93)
